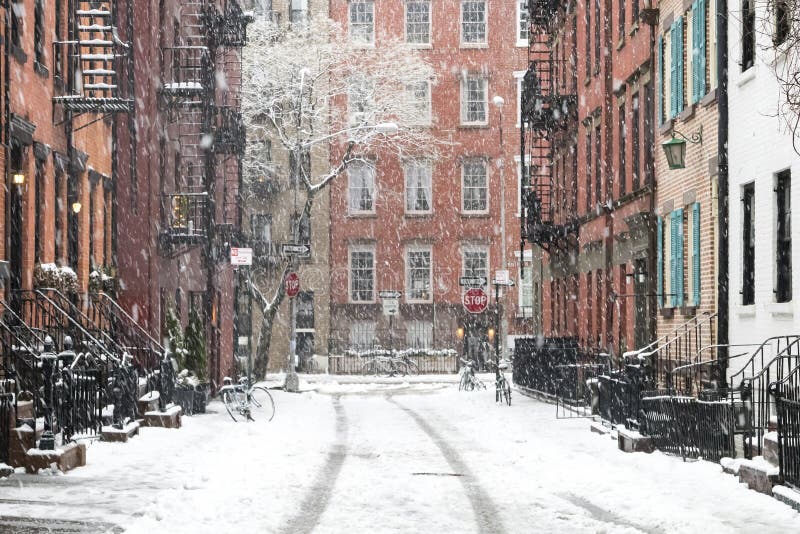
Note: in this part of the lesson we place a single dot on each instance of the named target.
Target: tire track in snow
(319, 494)
(486, 514)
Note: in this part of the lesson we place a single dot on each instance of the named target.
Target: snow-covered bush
(50, 275)
(399, 353)
(103, 279)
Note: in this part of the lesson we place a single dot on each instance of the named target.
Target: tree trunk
(261, 360)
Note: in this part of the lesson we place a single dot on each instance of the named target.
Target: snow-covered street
(386, 458)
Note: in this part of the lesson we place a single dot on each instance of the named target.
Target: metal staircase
(547, 109)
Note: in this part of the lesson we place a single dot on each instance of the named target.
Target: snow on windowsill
(780, 309)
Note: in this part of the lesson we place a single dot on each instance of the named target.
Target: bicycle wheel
(412, 368)
(462, 384)
(231, 401)
(370, 367)
(261, 404)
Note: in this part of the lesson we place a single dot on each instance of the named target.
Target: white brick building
(763, 264)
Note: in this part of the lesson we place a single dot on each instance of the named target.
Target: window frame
(747, 59)
(370, 168)
(748, 197)
(465, 82)
(520, 41)
(783, 236)
(355, 38)
(426, 115)
(409, 292)
(415, 44)
(363, 248)
(480, 249)
(474, 44)
(418, 164)
(464, 163)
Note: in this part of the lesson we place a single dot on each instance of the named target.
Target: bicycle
(468, 380)
(403, 365)
(246, 400)
(502, 392)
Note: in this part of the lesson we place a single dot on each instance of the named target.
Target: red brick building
(58, 157)
(417, 227)
(589, 136)
(178, 171)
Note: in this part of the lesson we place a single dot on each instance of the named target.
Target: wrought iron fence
(689, 427)
(7, 416)
(789, 439)
(79, 402)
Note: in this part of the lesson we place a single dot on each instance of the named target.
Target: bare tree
(311, 91)
(779, 26)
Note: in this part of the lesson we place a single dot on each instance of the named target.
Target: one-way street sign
(472, 281)
(295, 249)
(391, 294)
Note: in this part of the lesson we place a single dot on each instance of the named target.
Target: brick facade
(447, 232)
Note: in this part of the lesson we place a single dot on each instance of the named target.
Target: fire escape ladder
(95, 58)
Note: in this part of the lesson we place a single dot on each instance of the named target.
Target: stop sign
(475, 300)
(292, 284)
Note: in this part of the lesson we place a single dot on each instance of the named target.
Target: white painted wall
(760, 146)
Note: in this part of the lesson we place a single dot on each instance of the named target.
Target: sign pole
(292, 288)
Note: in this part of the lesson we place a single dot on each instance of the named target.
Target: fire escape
(548, 109)
(200, 94)
(96, 60)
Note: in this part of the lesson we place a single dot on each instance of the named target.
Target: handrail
(95, 342)
(676, 333)
(760, 349)
(114, 304)
(776, 358)
(20, 323)
(87, 323)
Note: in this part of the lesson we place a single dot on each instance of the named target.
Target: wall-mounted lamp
(490, 334)
(639, 275)
(76, 207)
(19, 178)
(675, 149)
(460, 332)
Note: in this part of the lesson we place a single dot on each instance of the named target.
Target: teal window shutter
(701, 34)
(679, 48)
(696, 253)
(695, 54)
(673, 72)
(673, 259)
(660, 97)
(660, 261)
(679, 257)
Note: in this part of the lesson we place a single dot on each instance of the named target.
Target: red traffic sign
(475, 300)
(292, 284)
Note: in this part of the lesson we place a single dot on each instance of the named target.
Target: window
(622, 139)
(597, 27)
(473, 100)
(418, 22)
(598, 174)
(677, 70)
(748, 244)
(304, 310)
(362, 274)
(473, 22)
(523, 23)
(661, 81)
(359, 98)
(621, 21)
(783, 22)
(526, 288)
(298, 11)
(419, 96)
(783, 256)
(362, 335)
(40, 211)
(748, 34)
(58, 52)
(38, 31)
(418, 187)
(676, 258)
(17, 17)
(588, 170)
(362, 21)
(475, 262)
(418, 274)
(588, 54)
(419, 334)
(694, 248)
(361, 187)
(261, 228)
(636, 159)
(61, 213)
(474, 186)
(301, 228)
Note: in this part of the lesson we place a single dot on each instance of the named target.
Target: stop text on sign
(475, 300)
(292, 284)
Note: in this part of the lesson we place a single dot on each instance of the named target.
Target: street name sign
(391, 306)
(390, 294)
(472, 281)
(292, 283)
(475, 300)
(241, 256)
(295, 249)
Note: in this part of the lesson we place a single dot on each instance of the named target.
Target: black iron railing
(7, 414)
(789, 439)
(79, 403)
(186, 71)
